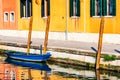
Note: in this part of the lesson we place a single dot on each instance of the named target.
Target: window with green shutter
(45, 8)
(74, 8)
(25, 8)
(102, 8)
(112, 7)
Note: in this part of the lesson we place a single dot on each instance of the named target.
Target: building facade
(9, 15)
(65, 15)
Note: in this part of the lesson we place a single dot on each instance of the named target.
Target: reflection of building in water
(10, 72)
(7, 72)
(29, 74)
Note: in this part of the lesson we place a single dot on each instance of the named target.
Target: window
(103, 7)
(5, 16)
(74, 8)
(97, 7)
(45, 9)
(25, 8)
(12, 16)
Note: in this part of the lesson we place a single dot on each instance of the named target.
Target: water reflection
(32, 65)
(20, 70)
(82, 73)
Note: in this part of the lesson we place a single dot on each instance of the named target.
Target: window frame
(6, 20)
(45, 8)
(74, 8)
(25, 8)
(13, 16)
(104, 6)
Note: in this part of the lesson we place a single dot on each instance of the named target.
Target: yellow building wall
(117, 19)
(23, 23)
(59, 18)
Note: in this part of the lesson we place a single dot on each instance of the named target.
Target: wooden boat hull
(32, 65)
(29, 57)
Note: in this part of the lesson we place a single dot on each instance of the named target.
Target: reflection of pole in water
(29, 74)
(97, 74)
(46, 76)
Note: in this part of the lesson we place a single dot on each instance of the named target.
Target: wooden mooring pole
(47, 29)
(100, 42)
(46, 35)
(29, 35)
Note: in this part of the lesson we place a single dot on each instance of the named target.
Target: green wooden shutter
(100, 8)
(48, 7)
(71, 8)
(78, 7)
(28, 8)
(92, 8)
(114, 8)
(21, 8)
(104, 7)
(42, 9)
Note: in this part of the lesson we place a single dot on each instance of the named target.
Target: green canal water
(20, 70)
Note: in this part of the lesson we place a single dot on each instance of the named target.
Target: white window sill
(109, 16)
(104, 16)
(96, 16)
(75, 17)
(45, 17)
(25, 17)
(12, 21)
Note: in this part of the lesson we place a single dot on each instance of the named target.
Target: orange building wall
(10, 6)
(2, 69)
(1, 18)
(5, 69)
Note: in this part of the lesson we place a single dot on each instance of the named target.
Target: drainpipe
(66, 33)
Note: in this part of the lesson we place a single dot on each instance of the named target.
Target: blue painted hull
(31, 65)
(29, 57)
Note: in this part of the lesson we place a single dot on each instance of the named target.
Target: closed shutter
(100, 7)
(92, 8)
(71, 8)
(104, 7)
(114, 8)
(48, 7)
(42, 9)
(21, 8)
(29, 8)
(78, 7)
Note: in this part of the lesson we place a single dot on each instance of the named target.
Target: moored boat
(28, 57)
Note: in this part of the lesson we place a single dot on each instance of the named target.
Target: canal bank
(77, 53)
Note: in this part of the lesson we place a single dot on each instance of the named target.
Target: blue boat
(32, 65)
(28, 57)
